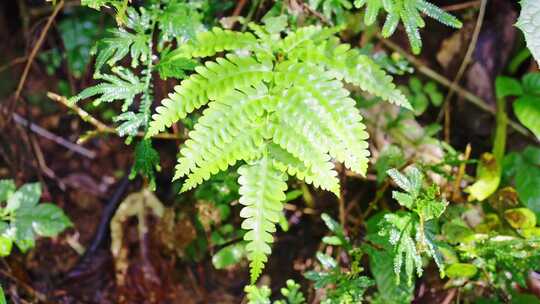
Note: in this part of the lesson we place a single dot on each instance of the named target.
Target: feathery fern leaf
(262, 190)
(353, 67)
(406, 231)
(408, 11)
(209, 43)
(278, 109)
(212, 81)
(124, 85)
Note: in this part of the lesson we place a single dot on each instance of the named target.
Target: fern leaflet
(408, 12)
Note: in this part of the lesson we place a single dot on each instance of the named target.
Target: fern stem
(146, 100)
(499, 143)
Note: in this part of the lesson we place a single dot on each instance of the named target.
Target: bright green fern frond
(262, 191)
(217, 40)
(305, 36)
(212, 81)
(313, 157)
(216, 132)
(246, 146)
(353, 67)
(322, 106)
(294, 117)
(362, 71)
(288, 163)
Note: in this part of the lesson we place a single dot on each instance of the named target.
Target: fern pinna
(409, 13)
(280, 106)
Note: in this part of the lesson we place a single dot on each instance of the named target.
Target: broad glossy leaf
(26, 196)
(229, 255)
(527, 110)
(49, 220)
(527, 182)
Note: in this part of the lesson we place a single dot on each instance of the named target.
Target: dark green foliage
(146, 162)
(524, 170)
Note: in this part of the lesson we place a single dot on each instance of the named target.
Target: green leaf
(131, 123)
(456, 231)
(400, 179)
(7, 188)
(520, 218)
(79, 31)
(381, 264)
(123, 85)
(179, 20)
(2, 295)
(262, 189)
(25, 197)
(49, 220)
(399, 228)
(5, 245)
(258, 295)
(527, 110)
(326, 261)
(527, 182)
(146, 162)
(390, 156)
(408, 11)
(435, 95)
(528, 23)
(43, 219)
(172, 64)
(292, 293)
(336, 228)
(488, 177)
(229, 255)
(461, 270)
(507, 86)
(531, 84)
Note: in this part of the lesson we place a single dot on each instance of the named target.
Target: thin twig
(239, 7)
(53, 137)
(38, 295)
(13, 62)
(463, 66)
(470, 97)
(36, 48)
(100, 126)
(316, 14)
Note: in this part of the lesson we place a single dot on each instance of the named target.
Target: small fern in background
(172, 21)
(279, 105)
(408, 231)
(409, 13)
